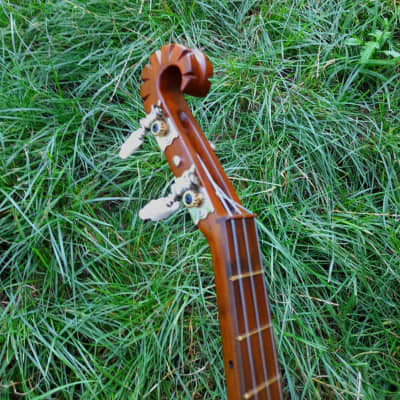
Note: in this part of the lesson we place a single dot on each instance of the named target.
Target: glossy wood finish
(246, 326)
(247, 336)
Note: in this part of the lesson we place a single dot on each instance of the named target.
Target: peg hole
(230, 362)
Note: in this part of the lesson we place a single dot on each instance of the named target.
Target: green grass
(304, 110)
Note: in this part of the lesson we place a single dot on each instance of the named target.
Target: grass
(304, 110)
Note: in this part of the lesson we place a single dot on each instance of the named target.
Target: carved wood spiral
(194, 73)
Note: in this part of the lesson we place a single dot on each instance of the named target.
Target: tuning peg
(160, 208)
(153, 122)
(133, 143)
(155, 113)
(185, 187)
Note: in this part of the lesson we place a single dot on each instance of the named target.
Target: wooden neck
(250, 359)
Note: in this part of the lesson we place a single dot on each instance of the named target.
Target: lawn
(304, 112)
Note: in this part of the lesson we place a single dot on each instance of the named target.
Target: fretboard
(247, 334)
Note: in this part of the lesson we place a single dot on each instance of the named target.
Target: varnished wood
(250, 359)
(226, 261)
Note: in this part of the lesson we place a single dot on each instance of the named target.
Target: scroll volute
(173, 71)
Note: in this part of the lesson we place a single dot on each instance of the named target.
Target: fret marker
(258, 389)
(254, 331)
(246, 275)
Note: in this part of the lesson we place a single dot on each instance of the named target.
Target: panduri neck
(250, 360)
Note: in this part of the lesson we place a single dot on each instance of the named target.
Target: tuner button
(159, 127)
(133, 143)
(192, 199)
(159, 209)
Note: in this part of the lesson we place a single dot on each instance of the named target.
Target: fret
(246, 275)
(250, 306)
(254, 331)
(259, 388)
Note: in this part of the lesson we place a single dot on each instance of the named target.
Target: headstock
(201, 182)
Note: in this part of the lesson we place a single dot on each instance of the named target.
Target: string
(242, 299)
(253, 292)
(224, 200)
(269, 316)
(221, 194)
(216, 187)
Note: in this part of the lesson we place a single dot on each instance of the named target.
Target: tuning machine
(186, 188)
(155, 123)
(160, 208)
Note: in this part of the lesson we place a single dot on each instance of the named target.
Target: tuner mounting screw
(159, 127)
(192, 199)
(176, 160)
